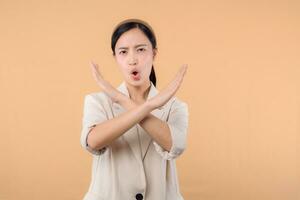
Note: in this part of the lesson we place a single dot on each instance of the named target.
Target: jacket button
(139, 196)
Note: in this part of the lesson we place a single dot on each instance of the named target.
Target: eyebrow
(134, 46)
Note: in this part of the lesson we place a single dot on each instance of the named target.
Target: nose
(132, 59)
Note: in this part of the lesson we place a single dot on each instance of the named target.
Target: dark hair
(128, 24)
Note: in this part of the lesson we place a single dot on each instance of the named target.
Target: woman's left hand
(107, 88)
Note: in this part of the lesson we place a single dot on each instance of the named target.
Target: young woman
(134, 132)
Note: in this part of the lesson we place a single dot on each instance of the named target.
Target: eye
(122, 52)
(142, 49)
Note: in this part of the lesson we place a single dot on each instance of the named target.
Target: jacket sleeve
(93, 113)
(178, 124)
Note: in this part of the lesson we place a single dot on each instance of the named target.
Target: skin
(137, 107)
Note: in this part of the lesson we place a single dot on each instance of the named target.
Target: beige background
(242, 88)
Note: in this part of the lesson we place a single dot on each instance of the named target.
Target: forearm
(156, 128)
(104, 133)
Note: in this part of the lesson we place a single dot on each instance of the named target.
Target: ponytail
(152, 76)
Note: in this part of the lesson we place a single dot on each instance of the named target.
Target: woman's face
(134, 55)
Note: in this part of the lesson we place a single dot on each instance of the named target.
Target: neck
(138, 93)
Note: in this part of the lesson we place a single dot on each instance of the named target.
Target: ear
(154, 53)
(114, 56)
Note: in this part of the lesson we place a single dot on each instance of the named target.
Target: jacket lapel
(131, 136)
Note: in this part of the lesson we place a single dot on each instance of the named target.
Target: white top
(119, 170)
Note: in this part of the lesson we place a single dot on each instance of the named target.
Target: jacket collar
(123, 88)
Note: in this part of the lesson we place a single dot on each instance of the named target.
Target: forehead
(131, 38)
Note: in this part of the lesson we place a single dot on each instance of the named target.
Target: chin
(136, 83)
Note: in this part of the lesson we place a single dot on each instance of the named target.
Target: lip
(136, 76)
(134, 70)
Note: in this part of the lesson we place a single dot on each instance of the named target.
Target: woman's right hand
(113, 93)
(165, 95)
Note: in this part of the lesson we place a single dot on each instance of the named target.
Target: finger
(97, 76)
(184, 68)
(183, 73)
(94, 72)
(180, 73)
(96, 69)
(93, 65)
(179, 77)
(92, 68)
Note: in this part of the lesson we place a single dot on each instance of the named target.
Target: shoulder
(178, 111)
(176, 102)
(176, 106)
(97, 98)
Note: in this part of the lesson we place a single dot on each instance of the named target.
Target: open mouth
(134, 72)
(135, 75)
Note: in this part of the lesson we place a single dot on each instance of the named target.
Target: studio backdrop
(242, 88)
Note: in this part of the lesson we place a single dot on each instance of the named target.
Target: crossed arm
(136, 113)
(155, 127)
(159, 130)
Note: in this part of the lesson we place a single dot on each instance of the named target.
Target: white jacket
(118, 171)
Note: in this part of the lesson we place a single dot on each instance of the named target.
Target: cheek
(121, 62)
(148, 59)
(121, 65)
(148, 66)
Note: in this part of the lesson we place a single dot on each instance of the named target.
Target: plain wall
(242, 87)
